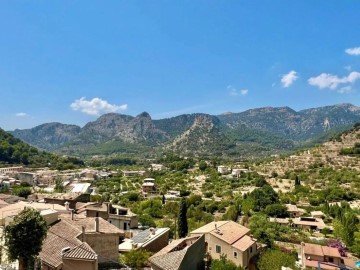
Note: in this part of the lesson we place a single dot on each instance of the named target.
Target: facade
(120, 217)
(133, 173)
(312, 254)
(148, 187)
(222, 169)
(183, 254)
(228, 238)
(294, 211)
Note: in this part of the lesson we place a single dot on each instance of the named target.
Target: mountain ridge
(265, 130)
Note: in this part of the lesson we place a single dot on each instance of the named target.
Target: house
(99, 234)
(27, 177)
(294, 211)
(62, 249)
(157, 167)
(222, 169)
(148, 187)
(48, 211)
(183, 254)
(133, 173)
(119, 216)
(308, 223)
(317, 214)
(312, 254)
(62, 198)
(152, 239)
(230, 239)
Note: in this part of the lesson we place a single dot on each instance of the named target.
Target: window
(331, 259)
(218, 249)
(235, 254)
(250, 249)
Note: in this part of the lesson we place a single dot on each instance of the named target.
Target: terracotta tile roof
(83, 251)
(313, 249)
(169, 261)
(59, 236)
(175, 244)
(331, 252)
(89, 224)
(314, 264)
(209, 227)
(230, 232)
(243, 243)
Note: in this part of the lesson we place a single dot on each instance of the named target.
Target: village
(236, 212)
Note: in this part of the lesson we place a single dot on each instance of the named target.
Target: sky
(72, 61)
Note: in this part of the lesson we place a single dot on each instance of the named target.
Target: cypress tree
(182, 219)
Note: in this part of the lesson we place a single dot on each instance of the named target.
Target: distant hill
(252, 133)
(15, 151)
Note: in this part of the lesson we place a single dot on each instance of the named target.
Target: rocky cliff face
(257, 130)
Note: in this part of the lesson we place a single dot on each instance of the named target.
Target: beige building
(228, 238)
(183, 254)
(294, 211)
(312, 254)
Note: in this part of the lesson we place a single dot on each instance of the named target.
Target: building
(230, 239)
(183, 254)
(317, 214)
(27, 177)
(222, 169)
(119, 216)
(306, 223)
(133, 173)
(294, 211)
(148, 187)
(312, 254)
(11, 169)
(152, 239)
(62, 249)
(100, 235)
(157, 167)
(62, 198)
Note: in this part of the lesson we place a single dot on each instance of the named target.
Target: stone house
(228, 238)
(183, 254)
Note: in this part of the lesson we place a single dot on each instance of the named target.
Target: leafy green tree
(275, 259)
(224, 264)
(59, 186)
(147, 220)
(202, 165)
(182, 219)
(276, 210)
(231, 214)
(136, 258)
(24, 236)
(21, 191)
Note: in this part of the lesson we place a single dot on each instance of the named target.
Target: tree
(202, 165)
(59, 185)
(276, 210)
(136, 258)
(24, 236)
(163, 199)
(21, 191)
(224, 264)
(275, 259)
(182, 219)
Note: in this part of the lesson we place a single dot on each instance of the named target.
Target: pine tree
(182, 220)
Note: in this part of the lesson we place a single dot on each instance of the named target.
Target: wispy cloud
(235, 92)
(348, 68)
(289, 78)
(325, 80)
(345, 89)
(96, 106)
(353, 51)
(21, 114)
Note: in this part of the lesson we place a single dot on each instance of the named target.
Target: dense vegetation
(14, 151)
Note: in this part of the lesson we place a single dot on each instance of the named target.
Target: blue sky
(71, 61)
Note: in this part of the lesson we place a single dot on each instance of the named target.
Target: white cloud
(234, 92)
(21, 114)
(345, 89)
(289, 79)
(348, 68)
(325, 80)
(353, 51)
(96, 106)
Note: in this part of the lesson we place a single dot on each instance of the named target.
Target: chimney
(83, 233)
(72, 214)
(97, 224)
(67, 205)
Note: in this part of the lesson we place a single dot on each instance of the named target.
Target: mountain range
(252, 133)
